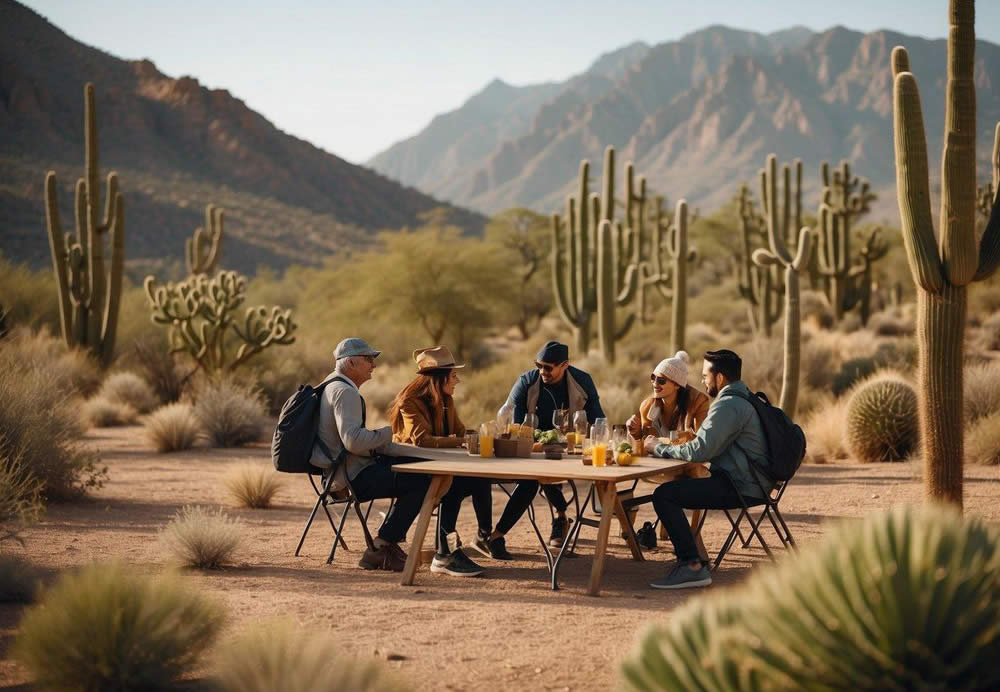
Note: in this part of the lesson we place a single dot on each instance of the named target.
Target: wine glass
(560, 419)
(580, 424)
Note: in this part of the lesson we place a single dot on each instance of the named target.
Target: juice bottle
(486, 440)
(600, 451)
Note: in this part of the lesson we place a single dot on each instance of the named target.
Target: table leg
(700, 544)
(439, 485)
(607, 492)
(628, 529)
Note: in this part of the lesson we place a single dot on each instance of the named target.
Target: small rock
(395, 657)
(875, 497)
(538, 670)
(419, 591)
(638, 595)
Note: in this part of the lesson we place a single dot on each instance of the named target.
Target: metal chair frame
(327, 498)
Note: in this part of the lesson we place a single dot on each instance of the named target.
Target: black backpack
(786, 443)
(296, 433)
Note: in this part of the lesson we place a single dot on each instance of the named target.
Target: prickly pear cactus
(882, 419)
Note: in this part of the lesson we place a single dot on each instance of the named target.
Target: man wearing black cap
(551, 385)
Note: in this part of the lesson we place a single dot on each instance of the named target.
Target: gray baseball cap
(353, 346)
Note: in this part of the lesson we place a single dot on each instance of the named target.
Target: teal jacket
(730, 434)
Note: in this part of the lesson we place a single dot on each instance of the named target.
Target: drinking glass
(529, 425)
(505, 416)
(472, 441)
(486, 433)
(599, 431)
(560, 419)
(580, 424)
(600, 453)
(587, 450)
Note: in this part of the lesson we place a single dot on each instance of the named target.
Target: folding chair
(326, 498)
(770, 511)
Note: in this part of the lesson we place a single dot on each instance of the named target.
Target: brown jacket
(418, 425)
(656, 421)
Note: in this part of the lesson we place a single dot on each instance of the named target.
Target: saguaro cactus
(666, 266)
(89, 293)
(986, 194)
(759, 286)
(778, 230)
(859, 286)
(202, 249)
(943, 266)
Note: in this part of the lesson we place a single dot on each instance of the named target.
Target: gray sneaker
(457, 564)
(683, 577)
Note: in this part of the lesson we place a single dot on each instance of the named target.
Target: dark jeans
(521, 499)
(378, 481)
(481, 490)
(672, 498)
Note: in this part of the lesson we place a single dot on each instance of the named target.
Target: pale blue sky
(355, 77)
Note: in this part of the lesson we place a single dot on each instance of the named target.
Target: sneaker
(559, 527)
(683, 577)
(495, 549)
(389, 557)
(457, 564)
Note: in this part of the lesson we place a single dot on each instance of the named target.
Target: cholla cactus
(202, 249)
(199, 314)
(882, 419)
(779, 228)
(89, 292)
(942, 264)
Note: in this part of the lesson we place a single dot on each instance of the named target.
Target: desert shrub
(197, 537)
(231, 414)
(882, 418)
(20, 493)
(982, 441)
(619, 402)
(815, 309)
(128, 388)
(850, 322)
(69, 371)
(900, 353)
(701, 337)
(815, 364)
(107, 627)
(763, 366)
(826, 432)
(891, 322)
(989, 333)
(850, 612)
(253, 486)
(19, 580)
(282, 656)
(172, 428)
(100, 412)
(279, 373)
(852, 372)
(159, 368)
(982, 390)
(40, 425)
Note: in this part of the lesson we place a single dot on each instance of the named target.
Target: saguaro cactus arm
(989, 247)
(202, 249)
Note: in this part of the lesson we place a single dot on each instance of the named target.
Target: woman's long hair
(429, 388)
(680, 406)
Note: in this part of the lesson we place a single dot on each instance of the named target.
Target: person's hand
(634, 425)
(649, 443)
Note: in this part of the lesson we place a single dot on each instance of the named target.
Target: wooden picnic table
(443, 464)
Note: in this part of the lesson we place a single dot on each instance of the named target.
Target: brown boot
(389, 557)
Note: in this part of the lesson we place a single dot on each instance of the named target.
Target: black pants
(672, 498)
(481, 491)
(521, 499)
(377, 481)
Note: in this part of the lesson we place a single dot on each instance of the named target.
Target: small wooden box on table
(443, 464)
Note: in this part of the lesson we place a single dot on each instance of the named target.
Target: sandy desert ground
(504, 631)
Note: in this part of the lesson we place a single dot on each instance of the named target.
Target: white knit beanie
(675, 368)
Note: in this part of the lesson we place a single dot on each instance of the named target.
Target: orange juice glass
(570, 442)
(486, 445)
(600, 451)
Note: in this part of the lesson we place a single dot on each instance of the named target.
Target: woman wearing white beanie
(674, 404)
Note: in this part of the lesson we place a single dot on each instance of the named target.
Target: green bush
(982, 441)
(252, 486)
(172, 428)
(100, 412)
(230, 414)
(904, 600)
(41, 426)
(19, 580)
(130, 389)
(882, 419)
(197, 537)
(283, 657)
(108, 628)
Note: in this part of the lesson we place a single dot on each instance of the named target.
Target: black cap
(553, 352)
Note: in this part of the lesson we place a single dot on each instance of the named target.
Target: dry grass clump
(989, 333)
(68, 371)
(282, 656)
(982, 441)
(198, 537)
(40, 426)
(130, 389)
(100, 412)
(156, 362)
(108, 628)
(19, 580)
(763, 366)
(173, 427)
(891, 322)
(982, 390)
(826, 433)
(20, 494)
(815, 309)
(253, 486)
(230, 414)
(619, 402)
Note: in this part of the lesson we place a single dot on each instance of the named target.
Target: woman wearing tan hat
(424, 414)
(674, 404)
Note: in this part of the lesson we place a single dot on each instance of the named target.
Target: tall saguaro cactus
(759, 286)
(942, 266)
(778, 230)
(201, 251)
(987, 194)
(89, 292)
(666, 266)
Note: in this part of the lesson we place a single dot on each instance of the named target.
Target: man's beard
(713, 391)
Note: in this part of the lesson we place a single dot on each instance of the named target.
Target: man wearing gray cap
(342, 429)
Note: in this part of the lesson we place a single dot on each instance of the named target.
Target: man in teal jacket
(729, 438)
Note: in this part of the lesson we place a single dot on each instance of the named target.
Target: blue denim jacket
(730, 433)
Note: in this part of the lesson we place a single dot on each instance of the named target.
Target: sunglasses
(657, 379)
(546, 367)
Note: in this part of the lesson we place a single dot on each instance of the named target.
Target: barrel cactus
(882, 419)
(908, 599)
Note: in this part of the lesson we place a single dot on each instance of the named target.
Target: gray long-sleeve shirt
(342, 426)
(730, 435)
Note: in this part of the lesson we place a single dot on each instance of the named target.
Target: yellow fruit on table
(625, 459)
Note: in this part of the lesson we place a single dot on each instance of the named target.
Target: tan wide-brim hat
(435, 358)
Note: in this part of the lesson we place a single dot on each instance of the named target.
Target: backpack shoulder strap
(319, 440)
